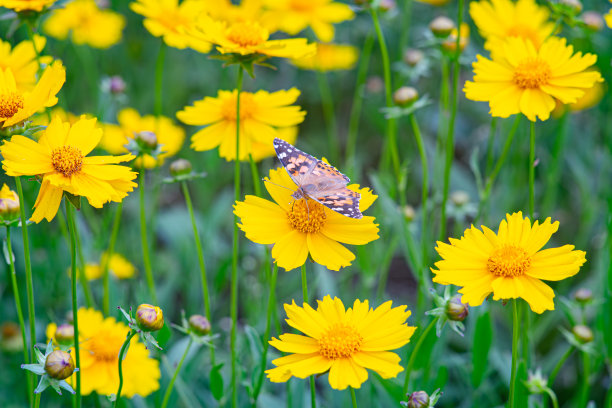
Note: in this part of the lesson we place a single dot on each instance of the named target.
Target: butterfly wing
(298, 164)
(342, 201)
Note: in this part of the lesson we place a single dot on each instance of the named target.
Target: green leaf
(216, 382)
(483, 337)
(522, 394)
(7, 256)
(74, 200)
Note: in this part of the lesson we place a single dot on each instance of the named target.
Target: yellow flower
(591, 98)
(293, 16)
(100, 341)
(16, 105)
(9, 204)
(499, 19)
(608, 17)
(520, 78)
(89, 24)
(119, 267)
(261, 115)
(450, 43)
(168, 19)
(297, 228)
(26, 5)
(59, 158)
(508, 264)
(247, 10)
(169, 136)
(329, 57)
(43, 119)
(248, 37)
(21, 60)
(260, 150)
(343, 342)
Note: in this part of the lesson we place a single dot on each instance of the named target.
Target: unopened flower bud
(460, 198)
(199, 325)
(116, 85)
(409, 212)
(69, 317)
(574, 5)
(582, 333)
(180, 167)
(441, 26)
(405, 95)
(386, 5)
(418, 399)
(64, 334)
(10, 338)
(59, 365)
(413, 56)
(536, 383)
(9, 204)
(375, 84)
(583, 295)
(593, 20)
(146, 139)
(149, 317)
(456, 310)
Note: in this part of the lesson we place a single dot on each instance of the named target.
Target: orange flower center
(10, 104)
(306, 216)
(247, 34)
(532, 73)
(340, 341)
(67, 160)
(521, 31)
(247, 107)
(103, 347)
(508, 261)
(301, 5)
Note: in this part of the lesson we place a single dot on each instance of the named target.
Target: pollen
(247, 34)
(532, 73)
(10, 104)
(307, 216)
(67, 160)
(340, 341)
(509, 261)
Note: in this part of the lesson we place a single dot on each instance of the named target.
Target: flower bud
(59, 365)
(146, 139)
(583, 296)
(460, 198)
(418, 399)
(441, 26)
(180, 167)
(116, 85)
(593, 20)
(413, 56)
(64, 334)
(69, 317)
(199, 325)
(536, 383)
(456, 310)
(386, 5)
(10, 337)
(409, 212)
(405, 95)
(9, 204)
(582, 333)
(149, 317)
(574, 6)
(375, 84)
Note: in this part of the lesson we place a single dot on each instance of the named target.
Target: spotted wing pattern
(318, 180)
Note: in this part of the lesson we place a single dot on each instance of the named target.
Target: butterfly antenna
(265, 180)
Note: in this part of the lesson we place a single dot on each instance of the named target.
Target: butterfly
(318, 180)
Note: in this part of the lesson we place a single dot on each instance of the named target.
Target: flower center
(10, 104)
(522, 31)
(306, 216)
(508, 261)
(247, 34)
(103, 348)
(67, 160)
(531, 73)
(301, 5)
(340, 341)
(247, 107)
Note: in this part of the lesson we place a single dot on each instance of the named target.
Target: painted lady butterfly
(318, 180)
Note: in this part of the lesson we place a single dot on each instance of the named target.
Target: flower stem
(450, 143)
(490, 144)
(264, 356)
(353, 397)
(82, 278)
(196, 237)
(30, 28)
(146, 257)
(531, 170)
(75, 316)
(424, 193)
(553, 397)
(159, 78)
(555, 371)
(515, 336)
(255, 175)
(553, 172)
(329, 114)
(415, 352)
(106, 261)
(234, 277)
(313, 393)
(390, 149)
(178, 368)
(13, 274)
(586, 372)
(122, 352)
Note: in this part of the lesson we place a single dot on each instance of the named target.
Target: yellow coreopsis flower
(293, 16)
(89, 24)
(261, 115)
(169, 136)
(608, 17)
(170, 20)
(344, 342)
(21, 60)
(450, 43)
(509, 264)
(26, 5)
(59, 158)
(298, 228)
(100, 342)
(591, 98)
(329, 57)
(17, 105)
(247, 10)
(118, 266)
(522, 79)
(499, 19)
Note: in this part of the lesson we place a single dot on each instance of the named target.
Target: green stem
(553, 172)
(531, 170)
(490, 144)
(255, 175)
(146, 256)
(390, 149)
(415, 352)
(122, 352)
(234, 277)
(202, 264)
(313, 393)
(329, 114)
(13, 274)
(106, 261)
(30, 28)
(178, 368)
(555, 371)
(264, 356)
(450, 143)
(353, 397)
(353, 127)
(82, 278)
(75, 316)
(552, 396)
(586, 373)
(159, 78)
(515, 336)
(424, 193)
